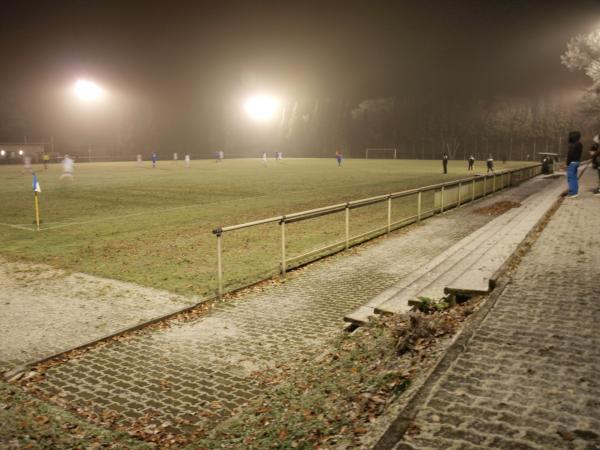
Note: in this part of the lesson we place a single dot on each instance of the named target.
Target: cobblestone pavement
(529, 378)
(197, 368)
(44, 310)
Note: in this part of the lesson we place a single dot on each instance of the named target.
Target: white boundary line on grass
(19, 227)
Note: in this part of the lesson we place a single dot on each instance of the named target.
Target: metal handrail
(282, 220)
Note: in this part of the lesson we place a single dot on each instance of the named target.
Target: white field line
(19, 227)
(142, 213)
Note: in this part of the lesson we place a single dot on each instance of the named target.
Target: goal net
(380, 153)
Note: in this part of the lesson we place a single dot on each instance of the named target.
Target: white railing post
(419, 206)
(389, 215)
(442, 200)
(347, 226)
(459, 189)
(283, 259)
(218, 232)
(493, 183)
(484, 185)
(473, 190)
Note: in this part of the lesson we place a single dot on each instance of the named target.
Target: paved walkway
(204, 366)
(530, 375)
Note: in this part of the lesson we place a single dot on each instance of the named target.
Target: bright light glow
(2, 153)
(20, 152)
(88, 90)
(261, 107)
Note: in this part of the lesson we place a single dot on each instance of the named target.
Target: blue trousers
(572, 177)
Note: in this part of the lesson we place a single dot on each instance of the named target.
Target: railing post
(283, 259)
(484, 185)
(493, 183)
(442, 200)
(347, 226)
(419, 206)
(459, 189)
(218, 232)
(473, 191)
(389, 218)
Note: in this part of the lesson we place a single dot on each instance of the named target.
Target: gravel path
(45, 310)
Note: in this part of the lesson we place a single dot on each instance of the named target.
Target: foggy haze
(178, 73)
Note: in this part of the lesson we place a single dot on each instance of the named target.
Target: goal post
(381, 153)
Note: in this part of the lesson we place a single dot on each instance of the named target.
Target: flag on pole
(36, 184)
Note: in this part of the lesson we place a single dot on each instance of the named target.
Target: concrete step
(481, 277)
(432, 284)
(456, 252)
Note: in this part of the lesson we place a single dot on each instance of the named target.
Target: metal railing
(446, 196)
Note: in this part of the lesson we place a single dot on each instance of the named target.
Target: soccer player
(471, 162)
(26, 164)
(187, 160)
(68, 166)
(490, 164)
(154, 158)
(264, 157)
(339, 157)
(221, 156)
(445, 162)
(139, 159)
(175, 157)
(45, 160)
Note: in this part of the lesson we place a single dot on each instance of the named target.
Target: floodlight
(2, 153)
(88, 90)
(20, 152)
(261, 107)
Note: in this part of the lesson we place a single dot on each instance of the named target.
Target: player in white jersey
(68, 166)
(187, 160)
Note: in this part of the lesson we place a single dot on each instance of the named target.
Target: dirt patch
(498, 208)
(46, 310)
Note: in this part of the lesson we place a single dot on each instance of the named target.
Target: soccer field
(153, 226)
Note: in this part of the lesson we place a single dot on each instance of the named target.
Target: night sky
(186, 61)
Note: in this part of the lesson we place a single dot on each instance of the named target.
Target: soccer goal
(381, 153)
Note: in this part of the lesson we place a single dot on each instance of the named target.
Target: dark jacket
(575, 147)
(595, 150)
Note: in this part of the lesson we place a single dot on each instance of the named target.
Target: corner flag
(36, 190)
(36, 184)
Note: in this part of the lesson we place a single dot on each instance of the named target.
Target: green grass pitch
(153, 226)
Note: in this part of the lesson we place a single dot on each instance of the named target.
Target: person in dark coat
(595, 154)
(490, 164)
(471, 162)
(573, 159)
(445, 162)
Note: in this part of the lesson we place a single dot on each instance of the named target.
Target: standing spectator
(595, 154)
(490, 164)
(154, 159)
(573, 158)
(339, 158)
(445, 162)
(471, 162)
